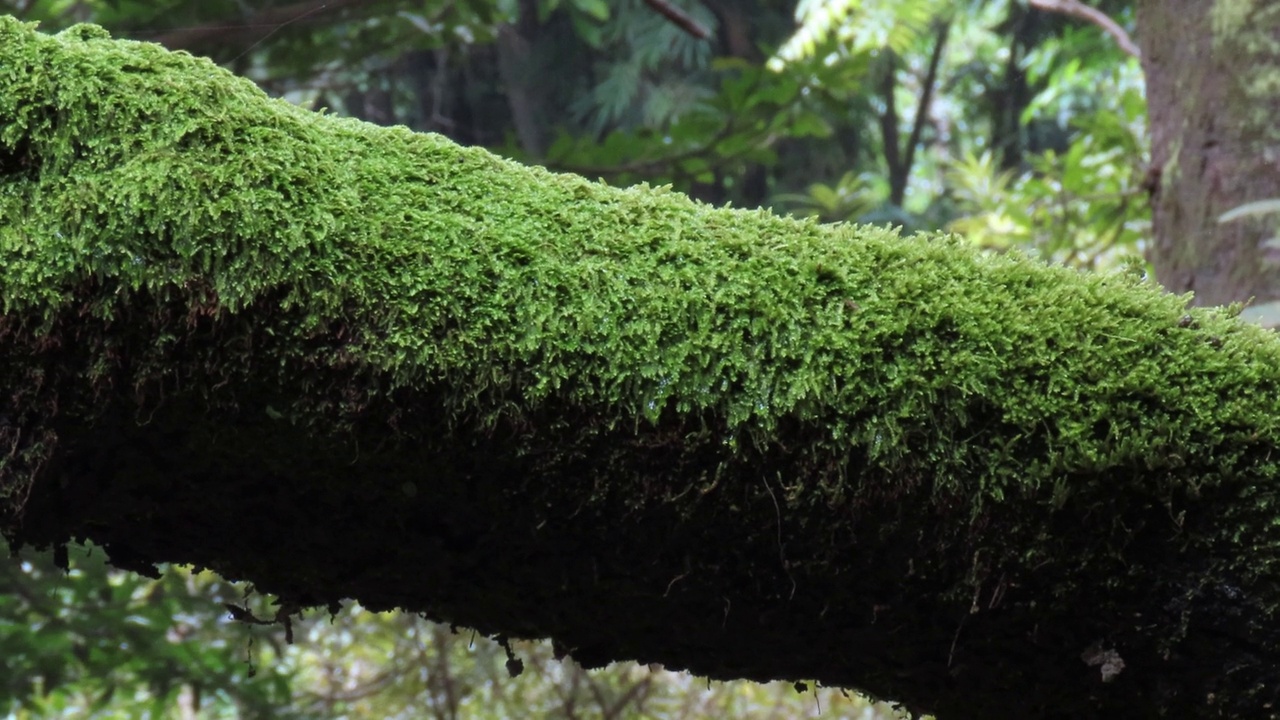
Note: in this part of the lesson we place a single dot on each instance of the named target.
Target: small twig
(782, 555)
(680, 18)
(973, 608)
(673, 582)
(277, 29)
(1075, 8)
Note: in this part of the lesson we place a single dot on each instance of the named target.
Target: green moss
(173, 241)
(511, 280)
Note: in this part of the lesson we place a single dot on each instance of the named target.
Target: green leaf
(597, 9)
(810, 124)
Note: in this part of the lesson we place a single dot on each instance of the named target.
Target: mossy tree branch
(343, 361)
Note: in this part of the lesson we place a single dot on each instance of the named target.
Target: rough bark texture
(1212, 76)
(344, 361)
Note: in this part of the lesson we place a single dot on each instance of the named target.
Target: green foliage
(1085, 207)
(92, 642)
(859, 26)
(650, 76)
(852, 198)
(1054, 165)
(738, 125)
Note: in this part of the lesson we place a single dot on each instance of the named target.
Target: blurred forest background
(1012, 125)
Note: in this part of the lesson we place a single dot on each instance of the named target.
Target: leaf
(589, 33)
(545, 8)
(598, 9)
(810, 124)
(1266, 314)
(1258, 207)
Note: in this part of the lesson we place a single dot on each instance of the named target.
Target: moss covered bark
(345, 361)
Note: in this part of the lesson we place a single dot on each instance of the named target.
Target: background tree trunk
(518, 66)
(1211, 72)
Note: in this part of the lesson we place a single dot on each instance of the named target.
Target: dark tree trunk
(1213, 103)
(737, 40)
(518, 67)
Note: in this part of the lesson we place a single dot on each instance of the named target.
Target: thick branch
(678, 17)
(348, 361)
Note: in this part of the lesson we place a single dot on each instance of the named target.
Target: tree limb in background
(680, 18)
(1075, 8)
(900, 159)
(928, 87)
(260, 25)
(345, 361)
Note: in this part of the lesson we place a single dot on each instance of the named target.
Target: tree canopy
(345, 361)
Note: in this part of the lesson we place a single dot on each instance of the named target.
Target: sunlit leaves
(1084, 206)
(832, 28)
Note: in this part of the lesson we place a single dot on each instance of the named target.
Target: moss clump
(646, 427)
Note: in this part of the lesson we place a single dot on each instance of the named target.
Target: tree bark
(1215, 144)
(518, 67)
(344, 361)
